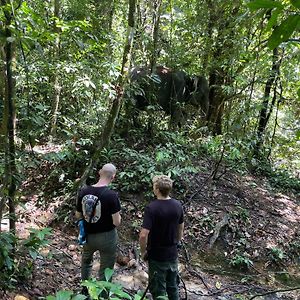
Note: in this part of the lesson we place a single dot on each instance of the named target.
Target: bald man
(101, 224)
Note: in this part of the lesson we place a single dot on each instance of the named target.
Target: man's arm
(143, 241)
(78, 215)
(116, 218)
(180, 231)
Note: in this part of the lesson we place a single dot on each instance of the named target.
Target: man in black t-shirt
(101, 225)
(161, 231)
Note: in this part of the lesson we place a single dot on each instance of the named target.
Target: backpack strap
(95, 204)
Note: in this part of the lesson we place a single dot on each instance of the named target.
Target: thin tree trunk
(10, 155)
(156, 22)
(3, 103)
(216, 102)
(103, 16)
(108, 128)
(56, 81)
(219, 70)
(266, 109)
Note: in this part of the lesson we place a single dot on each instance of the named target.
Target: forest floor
(242, 239)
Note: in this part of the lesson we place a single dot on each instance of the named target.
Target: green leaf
(10, 39)
(257, 4)
(298, 93)
(79, 297)
(33, 254)
(108, 274)
(122, 294)
(295, 3)
(50, 298)
(273, 20)
(64, 295)
(283, 31)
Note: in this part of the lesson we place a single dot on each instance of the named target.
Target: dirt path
(58, 268)
(233, 218)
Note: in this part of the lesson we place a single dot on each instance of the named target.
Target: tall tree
(10, 182)
(155, 32)
(107, 130)
(267, 105)
(56, 80)
(223, 37)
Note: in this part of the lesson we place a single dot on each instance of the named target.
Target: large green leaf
(295, 3)
(257, 4)
(64, 295)
(274, 17)
(108, 274)
(283, 31)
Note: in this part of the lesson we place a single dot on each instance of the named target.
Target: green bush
(7, 263)
(241, 261)
(16, 255)
(276, 255)
(170, 154)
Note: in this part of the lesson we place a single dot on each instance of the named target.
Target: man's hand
(144, 256)
(143, 242)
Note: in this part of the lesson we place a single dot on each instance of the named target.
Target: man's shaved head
(108, 171)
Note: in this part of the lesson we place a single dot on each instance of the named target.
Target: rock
(72, 247)
(19, 297)
(132, 263)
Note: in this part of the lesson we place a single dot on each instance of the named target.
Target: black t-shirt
(162, 218)
(108, 205)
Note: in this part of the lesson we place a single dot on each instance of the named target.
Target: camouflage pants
(163, 279)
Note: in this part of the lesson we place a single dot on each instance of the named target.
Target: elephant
(171, 90)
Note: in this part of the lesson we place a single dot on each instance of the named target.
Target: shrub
(16, 255)
(241, 262)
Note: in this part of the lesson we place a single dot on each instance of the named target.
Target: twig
(184, 287)
(275, 291)
(64, 252)
(196, 274)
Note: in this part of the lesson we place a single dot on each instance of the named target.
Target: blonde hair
(164, 184)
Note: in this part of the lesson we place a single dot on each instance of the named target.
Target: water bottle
(82, 233)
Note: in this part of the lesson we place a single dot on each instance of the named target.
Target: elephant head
(171, 90)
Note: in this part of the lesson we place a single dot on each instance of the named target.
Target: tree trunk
(216, 103)
(10, 155)
(219, 59)
(3, 103)
(155, 31)
(103, 17)
(56, 80)
(108, 128)
(267, 108)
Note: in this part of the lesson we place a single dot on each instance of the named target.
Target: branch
(294, 40)
(275, 291)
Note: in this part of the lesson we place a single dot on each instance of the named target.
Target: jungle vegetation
(65, 81)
